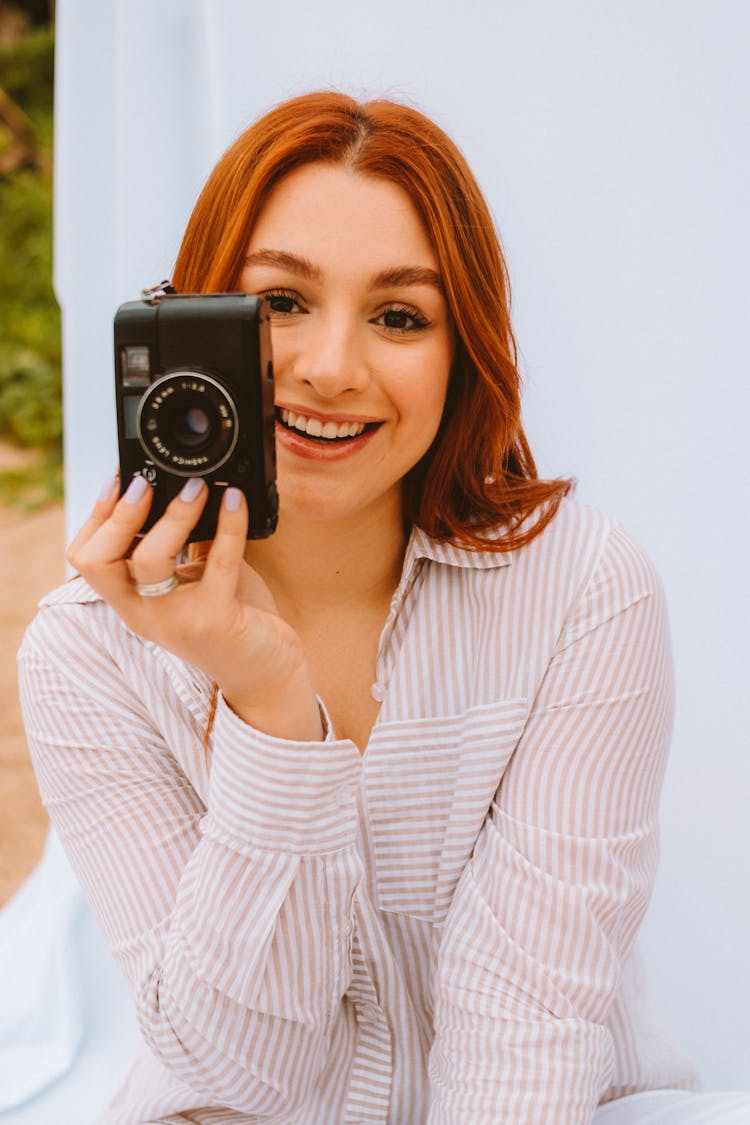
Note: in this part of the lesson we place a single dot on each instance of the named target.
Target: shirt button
(344, 795)
(377, 691)
(348, 928)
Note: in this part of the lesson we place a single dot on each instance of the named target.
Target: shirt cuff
(280, 795)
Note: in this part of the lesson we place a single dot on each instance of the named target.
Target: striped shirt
(439, 930)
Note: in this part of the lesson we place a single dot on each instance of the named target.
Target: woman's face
(362, 338)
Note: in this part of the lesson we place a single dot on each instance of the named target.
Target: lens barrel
(187, 423)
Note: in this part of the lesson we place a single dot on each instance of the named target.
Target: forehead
(321, 209)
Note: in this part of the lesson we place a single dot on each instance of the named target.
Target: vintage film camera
(194, 389)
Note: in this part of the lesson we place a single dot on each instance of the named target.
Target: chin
(314, 504)
(320, 504)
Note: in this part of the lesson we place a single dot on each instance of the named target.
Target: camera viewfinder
(136, 366)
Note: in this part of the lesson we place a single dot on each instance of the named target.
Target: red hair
(479, 472)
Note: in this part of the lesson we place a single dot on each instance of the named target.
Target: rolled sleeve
(272, 793)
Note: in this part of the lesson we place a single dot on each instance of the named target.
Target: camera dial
(187, 423)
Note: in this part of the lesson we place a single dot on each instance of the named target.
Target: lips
(311, 447)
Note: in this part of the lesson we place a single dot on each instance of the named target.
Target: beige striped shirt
(440, 930)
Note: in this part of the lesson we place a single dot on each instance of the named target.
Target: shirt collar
(420, 546)
(423, 546)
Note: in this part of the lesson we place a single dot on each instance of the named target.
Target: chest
(343, 659)
(455, 706)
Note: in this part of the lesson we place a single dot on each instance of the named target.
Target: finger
(227, 552)
(102, 510)
(155, 557)
(101, 557)
(190, 572)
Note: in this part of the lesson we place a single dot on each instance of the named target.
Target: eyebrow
(407, 275)
(396, 276)
(294, 263)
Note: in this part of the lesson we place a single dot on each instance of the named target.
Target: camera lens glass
(193, 427)
(187, 423)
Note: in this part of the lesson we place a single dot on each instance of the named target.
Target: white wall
(612, 141)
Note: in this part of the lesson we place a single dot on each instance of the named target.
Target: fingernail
(136, 489)
(107, 487)
(191, 489)
(232, 498)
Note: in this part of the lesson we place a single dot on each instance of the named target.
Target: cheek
(430, 384)
(423, 407)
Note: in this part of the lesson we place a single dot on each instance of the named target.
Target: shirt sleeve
(231, 918)
(548, 907)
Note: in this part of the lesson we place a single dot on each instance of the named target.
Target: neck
(315, 566)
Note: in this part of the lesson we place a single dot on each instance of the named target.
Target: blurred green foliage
(30, 362)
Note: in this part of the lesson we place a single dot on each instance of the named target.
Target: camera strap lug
(156, 292)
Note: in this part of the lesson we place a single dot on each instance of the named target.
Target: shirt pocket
(429, 784)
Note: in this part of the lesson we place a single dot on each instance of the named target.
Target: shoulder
(599, 569)
(588, 544)
(76, 638)
(76, 591)
(74, 621)
(579, 547)
(583, 569)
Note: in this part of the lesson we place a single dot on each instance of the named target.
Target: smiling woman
(390, 147)
(367, 809)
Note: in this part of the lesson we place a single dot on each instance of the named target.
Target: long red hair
(479, 473)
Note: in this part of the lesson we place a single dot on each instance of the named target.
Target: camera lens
(193, 427)
(187, 423)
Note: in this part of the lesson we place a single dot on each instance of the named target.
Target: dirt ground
(31, 563)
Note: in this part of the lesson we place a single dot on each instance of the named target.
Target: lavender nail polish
(191, 489)
(107, 487)
(136, 489)
(232, 498)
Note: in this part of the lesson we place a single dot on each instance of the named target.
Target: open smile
(318, 430)
(317, 439)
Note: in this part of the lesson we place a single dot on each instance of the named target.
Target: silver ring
(157, 589)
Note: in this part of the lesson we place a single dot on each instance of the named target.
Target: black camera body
(194, 389)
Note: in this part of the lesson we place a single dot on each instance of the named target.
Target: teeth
(315, 428)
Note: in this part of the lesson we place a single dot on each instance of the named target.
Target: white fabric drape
(67, 1025)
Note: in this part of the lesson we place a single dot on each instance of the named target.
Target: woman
(367, 810)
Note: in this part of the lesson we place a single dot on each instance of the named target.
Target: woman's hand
(221, 617)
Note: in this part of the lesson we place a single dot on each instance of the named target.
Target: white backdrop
(612, 141)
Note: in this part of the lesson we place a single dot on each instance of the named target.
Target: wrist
(291, 713)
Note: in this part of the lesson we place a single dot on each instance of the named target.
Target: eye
(401, 319)
(282, 303)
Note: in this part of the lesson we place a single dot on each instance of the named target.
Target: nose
(331, 359)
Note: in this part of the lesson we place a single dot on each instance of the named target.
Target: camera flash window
(136, 366)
